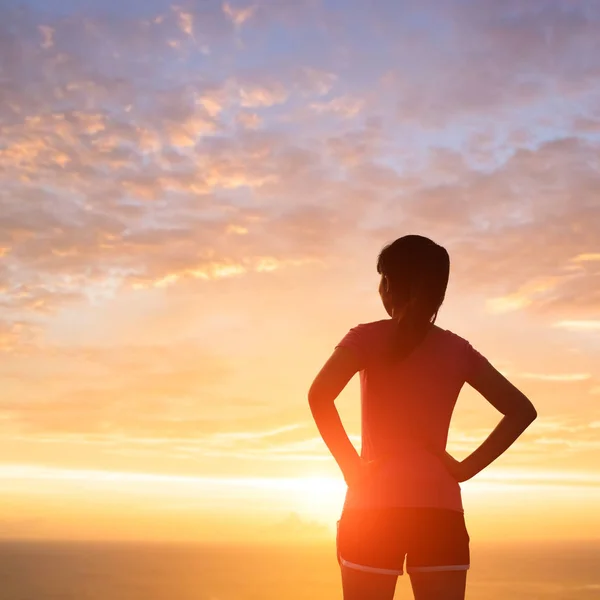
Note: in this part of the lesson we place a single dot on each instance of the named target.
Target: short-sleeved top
(405, 406)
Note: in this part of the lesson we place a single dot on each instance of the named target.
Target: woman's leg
(359, 585)
(439, 585)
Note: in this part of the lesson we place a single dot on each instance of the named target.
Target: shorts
(377, 540)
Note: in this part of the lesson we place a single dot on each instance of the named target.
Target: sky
(192, 200)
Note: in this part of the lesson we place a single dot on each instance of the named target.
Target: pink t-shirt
(405, 405)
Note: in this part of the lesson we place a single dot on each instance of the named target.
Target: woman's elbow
(522, 413)
(532, 414)
(314, 397)
(317, 396)
(528, 414)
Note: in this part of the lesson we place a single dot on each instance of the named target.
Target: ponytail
(417, 270)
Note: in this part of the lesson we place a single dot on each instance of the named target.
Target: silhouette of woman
(403, 499)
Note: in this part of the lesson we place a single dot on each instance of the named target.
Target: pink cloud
(134, 155)
(253, 96)
(342, 106)
(238, 15)
(249, 120)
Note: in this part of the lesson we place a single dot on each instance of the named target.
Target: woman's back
(406, 407)
(403, 500)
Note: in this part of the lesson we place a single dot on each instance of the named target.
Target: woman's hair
(417, 270)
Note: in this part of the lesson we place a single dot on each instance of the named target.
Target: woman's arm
(518, 413)
(327, 386)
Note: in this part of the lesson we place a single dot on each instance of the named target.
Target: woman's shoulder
(385, 327)
(374, 327)
(368, 333)
(379, 323)
(462, 349)
(453, 337)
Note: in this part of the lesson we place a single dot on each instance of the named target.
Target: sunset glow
(193, 198)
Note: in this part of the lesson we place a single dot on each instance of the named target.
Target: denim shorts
(378, 540)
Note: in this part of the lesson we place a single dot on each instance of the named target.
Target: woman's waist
(447, 496)
(403, 454)
(411, 465)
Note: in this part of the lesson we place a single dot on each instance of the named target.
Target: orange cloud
(586, 257)
(211, 271)
(16, 336)
(523, 297)
(187, 133)
(579, 325)
(253, 96)
(148, 175)
(186, 22)
(558, 377)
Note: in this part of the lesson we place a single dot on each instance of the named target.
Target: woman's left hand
(361, 471)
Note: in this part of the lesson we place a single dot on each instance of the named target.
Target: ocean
(152, 571)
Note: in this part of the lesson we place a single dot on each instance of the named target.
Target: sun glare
(319, 497)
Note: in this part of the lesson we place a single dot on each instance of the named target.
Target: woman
(403, 498)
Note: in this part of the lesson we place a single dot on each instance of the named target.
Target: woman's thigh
(359, 585)
(439, 585)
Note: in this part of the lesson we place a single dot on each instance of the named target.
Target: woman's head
(414, 276)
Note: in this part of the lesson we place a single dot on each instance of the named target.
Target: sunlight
(319, 497)
(523, 498)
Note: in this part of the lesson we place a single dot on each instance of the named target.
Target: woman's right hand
(455, 467)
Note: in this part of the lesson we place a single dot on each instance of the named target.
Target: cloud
(253, 95)
(572, 435)
(317, 81)
(512, 61)
(342, 106)
(47, 34)
(249, 120)
(557, 377)
(359, 147)
(590, 256)
(574, 444)
(186, 22)
(175, 150)
(579, 325)
(238, 15)
(17, 336)
(523, 297)
(571, 441)
(107, 143)
(246, 436)
(111, 179)
(520, 241)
